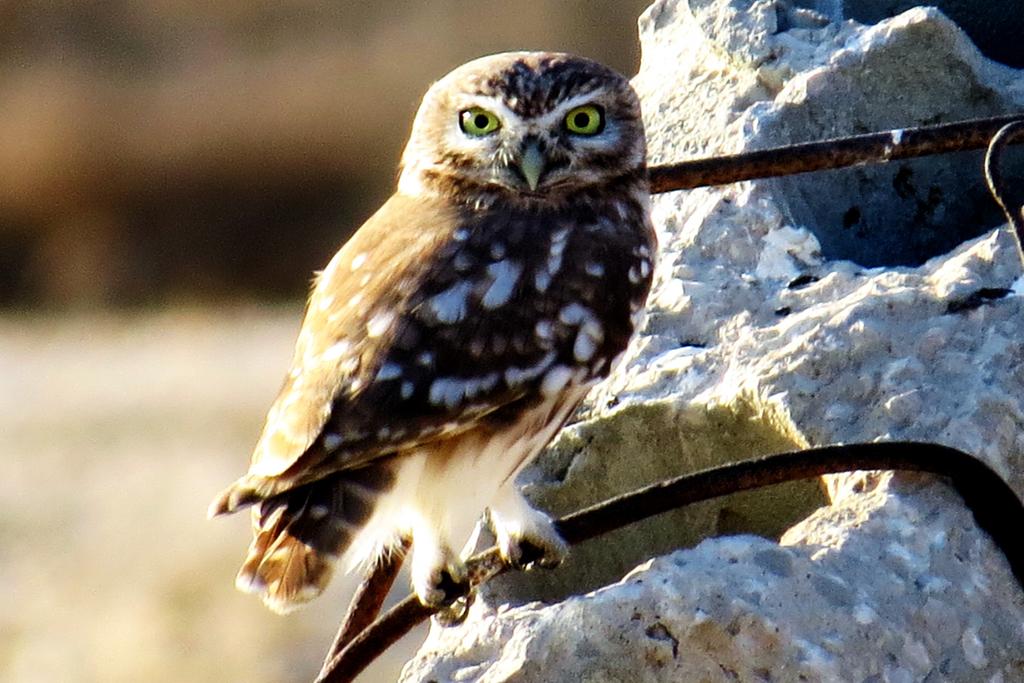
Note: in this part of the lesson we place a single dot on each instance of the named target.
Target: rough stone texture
(745, 609)
(995, 26)
(760, 337)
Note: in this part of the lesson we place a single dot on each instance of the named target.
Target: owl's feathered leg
(299, 535)
(525, 535)
(435, 568)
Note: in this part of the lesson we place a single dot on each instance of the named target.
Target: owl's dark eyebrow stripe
(518, 89)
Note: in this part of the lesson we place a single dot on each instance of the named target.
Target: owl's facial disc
(529, 127)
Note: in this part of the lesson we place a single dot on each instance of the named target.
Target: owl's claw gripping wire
(456, 612)
(531, 556)
(458, 596)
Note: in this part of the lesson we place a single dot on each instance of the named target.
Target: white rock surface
(994, 25)
(745, 609)
(762, 337)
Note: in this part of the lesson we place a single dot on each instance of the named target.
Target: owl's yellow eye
(477, 122)
(585, 120)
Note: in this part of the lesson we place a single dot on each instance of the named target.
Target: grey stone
(761, 338)
(995, 26)
(712, 614)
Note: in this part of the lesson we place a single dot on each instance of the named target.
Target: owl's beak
(532, 162)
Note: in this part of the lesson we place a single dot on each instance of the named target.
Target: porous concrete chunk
(861, 305)
(746, 609)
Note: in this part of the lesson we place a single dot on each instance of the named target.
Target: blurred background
(171, 172)
(156, 152)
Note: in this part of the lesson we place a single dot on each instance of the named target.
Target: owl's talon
(527, 555)
(441, 586)
(530, 541)
(456, 612)
(530, 553)
(532, 556)
(451, 589)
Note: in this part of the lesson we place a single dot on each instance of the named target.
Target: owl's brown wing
(431, 318)
(351, 321)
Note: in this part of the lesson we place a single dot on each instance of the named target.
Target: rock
(994, 26)
(778, 321)
(745, 609)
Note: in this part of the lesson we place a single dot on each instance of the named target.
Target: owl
(455, 332)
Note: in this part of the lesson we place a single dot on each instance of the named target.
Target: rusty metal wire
(872, 148)
(1013, 131)
(996, 509)
(367, 601)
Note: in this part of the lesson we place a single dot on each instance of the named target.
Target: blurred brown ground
(171, 172)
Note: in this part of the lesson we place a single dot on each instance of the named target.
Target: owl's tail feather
(300, 534)
(250, 490)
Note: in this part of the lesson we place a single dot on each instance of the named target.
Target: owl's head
(526, 126)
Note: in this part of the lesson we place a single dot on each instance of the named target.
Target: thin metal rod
(902, 143)
(994, 177)
(367, 601)
(996, 509)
